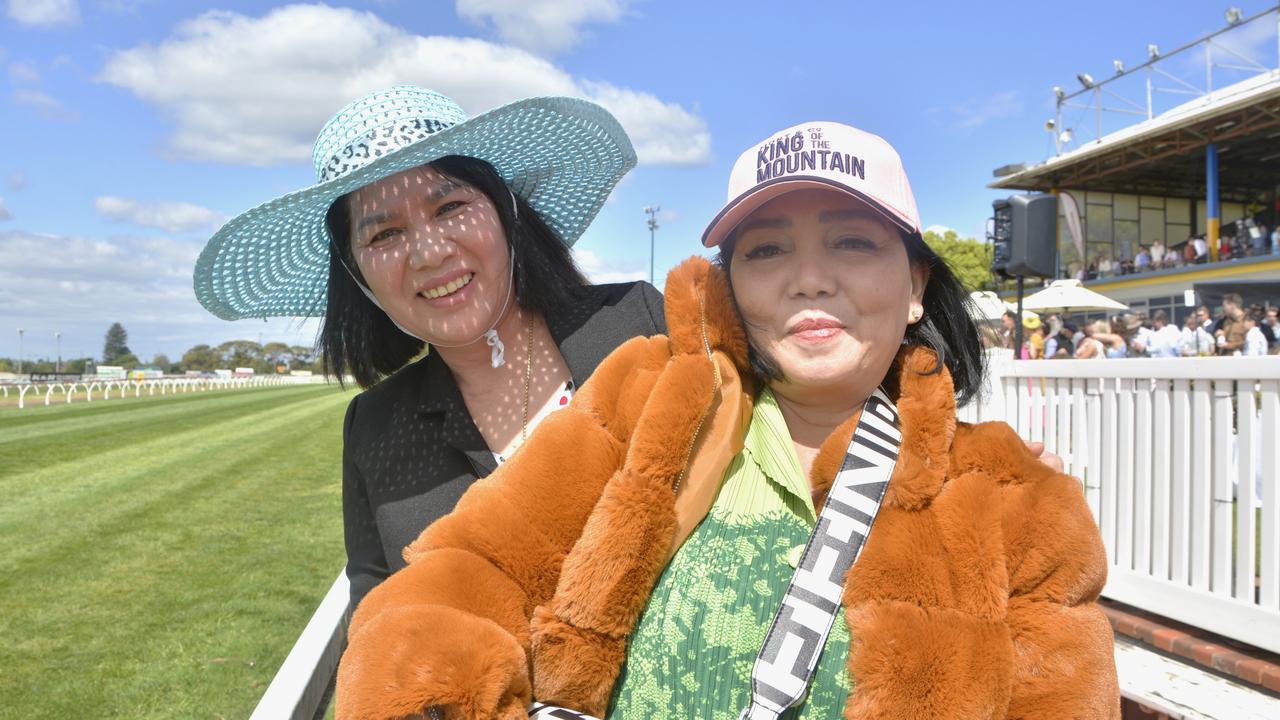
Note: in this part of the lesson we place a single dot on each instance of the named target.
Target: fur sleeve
(1063, 656)
(452, 628)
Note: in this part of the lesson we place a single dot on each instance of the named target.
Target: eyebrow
(367, 220)
(435, 194)
(830, 216)
(764, 223)
(440, 191)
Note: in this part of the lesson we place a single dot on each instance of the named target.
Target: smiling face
(433, 251)
(826, 290)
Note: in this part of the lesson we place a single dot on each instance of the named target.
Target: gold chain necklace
(528, 374)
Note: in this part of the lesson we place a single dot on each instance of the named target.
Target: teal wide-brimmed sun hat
(562, 155)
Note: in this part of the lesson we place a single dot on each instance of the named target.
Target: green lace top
(691, 653)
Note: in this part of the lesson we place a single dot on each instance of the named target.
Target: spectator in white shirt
(1196, 340)
(1202, 249)
(1157, 253)
(1165, 341)
(1255, 343)
(1205, 319)
(1139, 335)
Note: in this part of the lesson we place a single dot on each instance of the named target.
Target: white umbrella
(1070, 295)
(989, 305)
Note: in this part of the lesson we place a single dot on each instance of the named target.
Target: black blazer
(410, 448)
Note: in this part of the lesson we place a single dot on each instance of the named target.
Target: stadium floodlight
(1058, 92)
(1234, 15)
(652, 222)
(1050, 124)
(1065, 137)
(1119, 66)
(1153, 51)
(1085, 79)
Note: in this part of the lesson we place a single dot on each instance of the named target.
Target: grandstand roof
(1165, 155)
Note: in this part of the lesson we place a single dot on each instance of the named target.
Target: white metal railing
(1176, 456)
(106, 388)
(300, 688)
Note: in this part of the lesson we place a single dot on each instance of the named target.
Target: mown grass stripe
(176, 597)
(117, 480)
(92, 432)
(57, 455)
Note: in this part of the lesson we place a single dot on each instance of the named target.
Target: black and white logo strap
(543, 711)
(799, 631)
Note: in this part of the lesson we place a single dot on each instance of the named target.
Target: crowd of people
(1236, 330)
(1249, 237)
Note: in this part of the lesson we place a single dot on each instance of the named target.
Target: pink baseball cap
(825, 155)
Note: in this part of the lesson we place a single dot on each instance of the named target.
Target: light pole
(652, 212)
(58, 338)
(19, 351)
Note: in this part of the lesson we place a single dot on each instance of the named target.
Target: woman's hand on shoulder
(1051, 461)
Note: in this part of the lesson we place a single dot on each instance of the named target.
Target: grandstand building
(1203, 173)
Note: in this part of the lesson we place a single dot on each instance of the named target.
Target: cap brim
(740, 207)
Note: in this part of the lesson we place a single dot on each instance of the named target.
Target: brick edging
(1259, 667)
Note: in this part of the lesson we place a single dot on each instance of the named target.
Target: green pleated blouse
(692, 652)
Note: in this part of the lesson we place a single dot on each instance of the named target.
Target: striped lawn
(159, 556)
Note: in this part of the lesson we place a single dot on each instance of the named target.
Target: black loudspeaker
(1024, 236)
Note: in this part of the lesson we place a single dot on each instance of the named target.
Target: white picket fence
(105, 389)
(1176, 456)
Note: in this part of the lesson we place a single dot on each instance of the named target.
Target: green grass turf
(159, 556)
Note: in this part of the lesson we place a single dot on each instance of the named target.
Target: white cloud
(44, 12)
(45, 105)
(79, 286)
(320, 57)
(598, 270)
(5, 214)
(170, 216)
(975, 112)
(542, 26)
(940, 229)
(23, 73)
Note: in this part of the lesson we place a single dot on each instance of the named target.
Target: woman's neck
(812, 415)
(503, 400)
(472, 365)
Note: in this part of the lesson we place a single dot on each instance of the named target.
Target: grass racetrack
(159, 556)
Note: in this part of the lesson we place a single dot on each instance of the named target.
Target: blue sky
(135, 127)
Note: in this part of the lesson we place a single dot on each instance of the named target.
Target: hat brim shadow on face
(562, 155)
(741, 207)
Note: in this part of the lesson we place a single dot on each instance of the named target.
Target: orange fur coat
(973, 598)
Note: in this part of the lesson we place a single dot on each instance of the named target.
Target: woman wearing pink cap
(770, 512)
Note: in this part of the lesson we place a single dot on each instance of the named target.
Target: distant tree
(240, 353)
(200, 358)
(161, 361)
(128, 361)
(968, 258)
(116, 345)
(7, 365)
(74, 366)
(303, 357)
(276, 354)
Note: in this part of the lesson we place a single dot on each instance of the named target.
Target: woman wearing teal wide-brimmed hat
(426, 228)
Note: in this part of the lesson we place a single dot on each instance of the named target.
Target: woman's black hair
(947, 328)
(358, 338)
